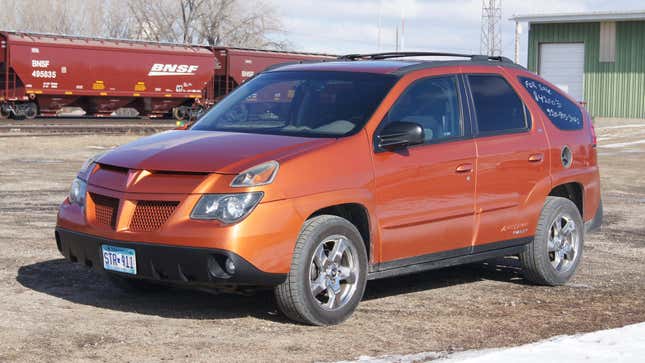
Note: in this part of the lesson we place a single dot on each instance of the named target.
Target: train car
(234, 66)
(40, 74)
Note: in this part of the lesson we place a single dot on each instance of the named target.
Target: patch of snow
(625, 345)
(408, 358)
(619, 127)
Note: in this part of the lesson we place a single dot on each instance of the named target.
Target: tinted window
(312, 104)
(563, 113)
(433, 103)
(498, 108)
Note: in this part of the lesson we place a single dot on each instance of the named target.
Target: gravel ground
(53, 310)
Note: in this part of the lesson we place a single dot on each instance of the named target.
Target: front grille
(105, 209)
(150, 215)
(115, 169)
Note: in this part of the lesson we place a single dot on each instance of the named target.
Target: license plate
(119, 259)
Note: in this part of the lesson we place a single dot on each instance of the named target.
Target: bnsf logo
(160, 69)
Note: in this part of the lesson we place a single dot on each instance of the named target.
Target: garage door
(563, 65)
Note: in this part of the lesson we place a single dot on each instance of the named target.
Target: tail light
(594, 139)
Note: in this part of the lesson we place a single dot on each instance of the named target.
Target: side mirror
(400, 134)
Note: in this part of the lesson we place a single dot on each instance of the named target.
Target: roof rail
(378, 56)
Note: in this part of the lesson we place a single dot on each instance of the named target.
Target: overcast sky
(350, 26)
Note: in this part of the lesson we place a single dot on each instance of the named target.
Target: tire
(179, 113)
(31, 111)
(343, 277)
(133, 285)
(556, 251)
(4, 114)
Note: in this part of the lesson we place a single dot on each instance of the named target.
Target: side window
(434, 104)
(563, 113)
(498, 108)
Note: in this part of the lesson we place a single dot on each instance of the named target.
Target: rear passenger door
(511, 153)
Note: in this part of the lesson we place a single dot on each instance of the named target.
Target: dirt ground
(53, 310)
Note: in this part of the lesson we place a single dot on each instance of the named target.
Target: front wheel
(556, 251)
(328, 273)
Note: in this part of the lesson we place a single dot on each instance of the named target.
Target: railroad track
(83, 126)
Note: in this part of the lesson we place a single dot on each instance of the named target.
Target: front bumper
(199, 267)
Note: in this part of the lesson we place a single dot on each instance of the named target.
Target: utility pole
(378, 36)
(402, 28)
(397, 38)
(518, 30)
(491, 32)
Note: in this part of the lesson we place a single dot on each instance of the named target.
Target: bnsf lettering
(39, 63)
(160, 69)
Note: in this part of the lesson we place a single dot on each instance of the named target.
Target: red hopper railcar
(42, 73)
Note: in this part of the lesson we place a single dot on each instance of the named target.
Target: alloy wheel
(333, 272)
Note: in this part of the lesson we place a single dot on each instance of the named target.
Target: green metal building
(598, 58)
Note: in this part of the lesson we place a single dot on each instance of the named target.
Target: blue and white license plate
(119, 259)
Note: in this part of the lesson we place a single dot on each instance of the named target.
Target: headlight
(262, 174)
(88, 165)
(227, 208)
(77, 192)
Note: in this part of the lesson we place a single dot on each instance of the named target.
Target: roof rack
(379, 56)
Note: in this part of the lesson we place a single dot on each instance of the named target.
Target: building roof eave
(593, 16)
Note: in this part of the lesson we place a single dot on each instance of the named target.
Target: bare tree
(154, 19)
(190, 12)
(227, 22)
(117, 21)
(250, 23)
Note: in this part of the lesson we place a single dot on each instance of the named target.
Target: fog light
(230, 266)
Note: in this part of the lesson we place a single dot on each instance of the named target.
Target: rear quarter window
(563, 113)
(498, 109)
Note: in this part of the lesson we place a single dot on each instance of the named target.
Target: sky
(351, 26)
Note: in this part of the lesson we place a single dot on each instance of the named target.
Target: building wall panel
(611, 89)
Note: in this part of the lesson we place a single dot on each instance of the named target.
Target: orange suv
(313, 178)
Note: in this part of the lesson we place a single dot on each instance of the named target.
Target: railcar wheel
(30, 110)
(180, 113)
(4, 111)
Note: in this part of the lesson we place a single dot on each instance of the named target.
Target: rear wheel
(556, 251)
(328, 273)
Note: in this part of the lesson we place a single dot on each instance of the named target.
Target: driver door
(425, 193)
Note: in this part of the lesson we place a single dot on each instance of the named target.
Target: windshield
(310, 104)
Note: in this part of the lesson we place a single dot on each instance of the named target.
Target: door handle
(536, 158)
(464, 168)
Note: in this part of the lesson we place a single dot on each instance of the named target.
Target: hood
(207, 151)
